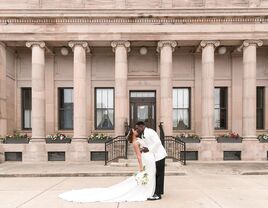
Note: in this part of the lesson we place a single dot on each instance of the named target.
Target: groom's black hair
(140, 123)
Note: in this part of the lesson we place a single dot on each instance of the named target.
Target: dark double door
(143, 108)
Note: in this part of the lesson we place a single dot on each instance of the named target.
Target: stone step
(134, 164)
(133, 160)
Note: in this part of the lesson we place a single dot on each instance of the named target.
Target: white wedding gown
(127, 190)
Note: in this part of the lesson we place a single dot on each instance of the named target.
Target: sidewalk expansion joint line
(41, 193)
(206, 194)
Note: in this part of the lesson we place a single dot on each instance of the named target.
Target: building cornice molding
(131, 20)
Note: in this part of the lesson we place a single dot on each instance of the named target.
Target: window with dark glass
(260, 108)
(65, 108)
(104, 108)
(26, 104)
(220, 107)
(181, 108)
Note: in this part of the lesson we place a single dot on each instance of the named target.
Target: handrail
(115, 148)
(176, 149)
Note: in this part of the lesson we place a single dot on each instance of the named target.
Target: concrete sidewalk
(190, 191)
(205, 185)
(97, 169)
(63, 169)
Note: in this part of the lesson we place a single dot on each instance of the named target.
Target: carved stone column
(251, 150)
(208, 149)
(208, 48)
(80, 88)
(3, 94)
(121, 48)
(166, 48)
(38, 90)
(36, 150)
(249, 87)
(79, 151)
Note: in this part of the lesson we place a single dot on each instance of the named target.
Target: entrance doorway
(143, 108)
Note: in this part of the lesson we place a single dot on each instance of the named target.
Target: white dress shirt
(154, 144)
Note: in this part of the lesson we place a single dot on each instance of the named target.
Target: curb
(254, 173)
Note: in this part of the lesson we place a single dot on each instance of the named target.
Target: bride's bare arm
(138, 154)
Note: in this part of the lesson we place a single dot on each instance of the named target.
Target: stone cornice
(136, 12)
(123, 43)
(132, 20)
(41, 44)
(163, 43)
(84, 44)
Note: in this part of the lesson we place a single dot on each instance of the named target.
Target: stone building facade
(86, 66)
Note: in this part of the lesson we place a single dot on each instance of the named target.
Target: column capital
(247, 43)
(41, 44)
(122, 43)
(162, 43)
(84, 44)
(204, 43)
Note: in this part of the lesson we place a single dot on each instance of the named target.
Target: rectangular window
(181, 108)
(65, 108)
(98, 155)
(104, 108)
(231, 155)
(56, 156)
(13, 156)
(220, 107)
(260, 108)
(26, 107)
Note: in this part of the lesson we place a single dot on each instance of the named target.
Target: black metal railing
(115, 148)
(176, 149)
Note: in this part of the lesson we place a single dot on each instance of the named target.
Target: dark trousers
(160, 174)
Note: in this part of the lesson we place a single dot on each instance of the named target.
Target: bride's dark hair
(130, 135)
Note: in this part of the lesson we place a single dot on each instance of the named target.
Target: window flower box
(189, 138)
(58, 138)
(98, 138)
(263, 138)
(16, 138)
(230, 137)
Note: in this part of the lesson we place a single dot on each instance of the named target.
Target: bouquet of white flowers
(141, 178)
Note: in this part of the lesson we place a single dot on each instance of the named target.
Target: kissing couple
(146, 184)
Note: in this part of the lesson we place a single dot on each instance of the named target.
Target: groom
(155, 146)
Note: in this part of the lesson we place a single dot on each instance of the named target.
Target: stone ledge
(91, 174)
(182, 12)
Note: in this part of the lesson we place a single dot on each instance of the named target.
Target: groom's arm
(156, 141)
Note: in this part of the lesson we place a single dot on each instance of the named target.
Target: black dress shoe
(154, 197)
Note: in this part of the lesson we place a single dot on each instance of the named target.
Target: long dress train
(127, 190)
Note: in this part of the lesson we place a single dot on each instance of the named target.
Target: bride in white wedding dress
(127, 190)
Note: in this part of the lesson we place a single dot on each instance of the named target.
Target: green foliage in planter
(16, 136)
(98, 137)
(58, 136)
(263, 137)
